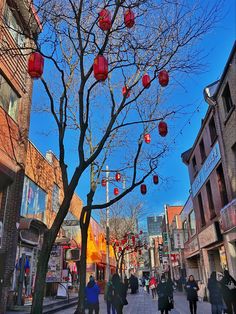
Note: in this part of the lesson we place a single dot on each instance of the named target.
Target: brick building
(15, 102)
(221, 96)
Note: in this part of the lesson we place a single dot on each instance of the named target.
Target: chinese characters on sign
(178, 239)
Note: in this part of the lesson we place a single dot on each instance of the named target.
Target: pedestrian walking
(92, 292)
(191, 288)
(147, 284)
(228, 287)
(153, 286)
(215, 294)
(108, 295)
(165, 293)
(133, 282)
(119, 294)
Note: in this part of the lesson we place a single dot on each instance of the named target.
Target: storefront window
(192, 223)
(33, 200)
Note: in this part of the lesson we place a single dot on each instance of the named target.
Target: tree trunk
(84, 224)
(42, 266)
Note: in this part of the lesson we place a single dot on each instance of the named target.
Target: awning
(30, 230)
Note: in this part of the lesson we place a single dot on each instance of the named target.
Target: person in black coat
(191, 288)
(165, 294)
(228, 287)
(215, 294)
(119, 294)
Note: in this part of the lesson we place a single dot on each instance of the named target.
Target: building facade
(15, 104)
(154, 225)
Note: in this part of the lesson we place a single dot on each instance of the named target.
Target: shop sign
(208, 236)
(228, 216)
(55, 265)
(208, 166)
(31, 236)
(192, 247)
(178, 239)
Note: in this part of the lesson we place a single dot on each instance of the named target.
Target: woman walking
(191, 288)
(108, 295)
(165, 293)
(119, 294)
(153, 286)
(215, 294)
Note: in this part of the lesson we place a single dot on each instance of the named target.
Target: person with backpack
(108, 295)
(92, 292)
(215, 294)
(119, 294)
(192, 288)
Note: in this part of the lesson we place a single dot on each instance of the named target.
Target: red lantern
(163, 77)
(120, 249)
(123, 241)
(147, 138)
(146, 81)
(118, 176)
(129, 18)
(104, 182)
(143, 188)
(35, 65)
(104, 20)
(162, 128)
(140, 232)
(125, 91)
(133, 239)
(100, 68)
(116, 191)
(155, 179)
(127, 247)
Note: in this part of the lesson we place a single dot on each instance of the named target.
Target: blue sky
(217, 45)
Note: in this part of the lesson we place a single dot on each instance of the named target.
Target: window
(212, 129)
(14, 27)
(227, 100)
(210, 200)
(185, 229)
(222, 186)
(8, 98)
(192, 223)
(201, 209)
(202, 150)
(33, 200)
(194, 164)
(55, 198)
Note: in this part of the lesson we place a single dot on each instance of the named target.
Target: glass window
(210, 200)
(8, 98)
(194, 164)
(33, 200)
(222, 186)
(202, 150)
(227, 100)
(55, 198)
(192, 223)
(203, 220)
(212, 129)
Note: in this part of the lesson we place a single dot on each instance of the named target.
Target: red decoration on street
(35, 65)
(116, 191)
(120, 249)
(140, 232)
(100, 68)
(143, 188)
(104, 20)
(146, 81)
(163, 77)
(124, 91)
(162, 128)
(133, 239)
(104, 182)
(118, 176)
(147, 138)
(123, 241)
(129, 18)
(127, 247)
(155, 179)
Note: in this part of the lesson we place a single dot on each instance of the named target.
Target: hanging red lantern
(100, 68)
(143, 188)
(155, 179)
(104, 21)
(147, 138)
(162, 128)
(118, 176)
(35, 65)
(116, 191)
(125, 91)
(133, 239)
(120, 249)
(140, 232)
(129, 18)
(104, 182)
(117, 243)
(127, 247)
(146, 81)
(123, 241)
(163, 78)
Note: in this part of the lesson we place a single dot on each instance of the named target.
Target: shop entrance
(214, 261)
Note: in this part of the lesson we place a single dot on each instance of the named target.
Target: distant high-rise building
(154, 224)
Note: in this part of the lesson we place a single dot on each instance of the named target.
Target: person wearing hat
(92, 292)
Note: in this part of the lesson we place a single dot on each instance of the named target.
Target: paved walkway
(142, 303)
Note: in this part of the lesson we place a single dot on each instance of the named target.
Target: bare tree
(101, 123)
